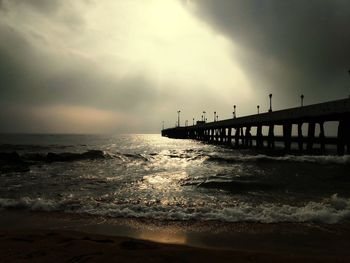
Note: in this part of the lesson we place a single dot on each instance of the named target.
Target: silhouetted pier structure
(237, 132)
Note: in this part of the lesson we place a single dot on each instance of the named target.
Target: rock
(12, 162)
(94, 154)
(34, 157)
(10, 157)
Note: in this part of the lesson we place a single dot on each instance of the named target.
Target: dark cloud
(44, 65)
(65, 12)
(288, 46)
(39, 5)
(34, 78)
(52, 56)
(16, 73)
(29, 78)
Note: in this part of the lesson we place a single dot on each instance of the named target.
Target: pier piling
(237, 132)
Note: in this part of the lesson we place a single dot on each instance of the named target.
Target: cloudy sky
(109, 66)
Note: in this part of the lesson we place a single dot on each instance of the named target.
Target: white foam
(324, 159)
(37, 204)
(331, 210)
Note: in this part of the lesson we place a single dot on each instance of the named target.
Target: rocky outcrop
(13, 162)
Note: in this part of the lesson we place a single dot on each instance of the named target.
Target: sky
(124, 66)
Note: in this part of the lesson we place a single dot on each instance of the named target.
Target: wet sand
(57, 237)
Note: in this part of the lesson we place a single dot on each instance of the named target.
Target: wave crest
(331, 210)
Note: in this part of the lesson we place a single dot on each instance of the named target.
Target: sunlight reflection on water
(164, 181)
(154, 177)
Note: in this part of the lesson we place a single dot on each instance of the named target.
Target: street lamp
(214, 116)
(178, 118)
(193, 121)
(302, 100)
(204, 115)
(270, 96)
(349, 74)
(258, 107)
(234, 111)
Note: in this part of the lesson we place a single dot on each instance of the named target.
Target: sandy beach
(56, 237)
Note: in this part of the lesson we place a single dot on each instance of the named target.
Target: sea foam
(330, 210)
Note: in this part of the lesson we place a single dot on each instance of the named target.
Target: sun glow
(161, 39)
(128, 58)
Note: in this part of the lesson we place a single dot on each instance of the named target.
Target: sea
(157, 178)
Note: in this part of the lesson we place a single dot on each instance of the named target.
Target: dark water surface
(152, 177)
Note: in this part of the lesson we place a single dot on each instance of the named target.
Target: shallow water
(159, 178)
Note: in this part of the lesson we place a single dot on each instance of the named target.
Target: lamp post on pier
(193, 121)
(178, 118)
(258, 107)
(234, 111)
(302, 100)
(214, 116)
(204, 115)
(349, 74)
(270, 96)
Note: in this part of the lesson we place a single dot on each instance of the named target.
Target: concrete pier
(237, 132)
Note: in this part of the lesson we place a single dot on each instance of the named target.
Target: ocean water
(148, 176)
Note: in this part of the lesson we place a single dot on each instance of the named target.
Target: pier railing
(237, 132)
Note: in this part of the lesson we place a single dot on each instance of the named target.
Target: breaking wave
(330, 210)
(237, 185)
(14, 157)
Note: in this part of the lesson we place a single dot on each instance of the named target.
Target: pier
(238, 132)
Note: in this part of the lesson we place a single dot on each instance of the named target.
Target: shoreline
(25, 232)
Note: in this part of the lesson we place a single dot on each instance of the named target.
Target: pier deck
(237, 132)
